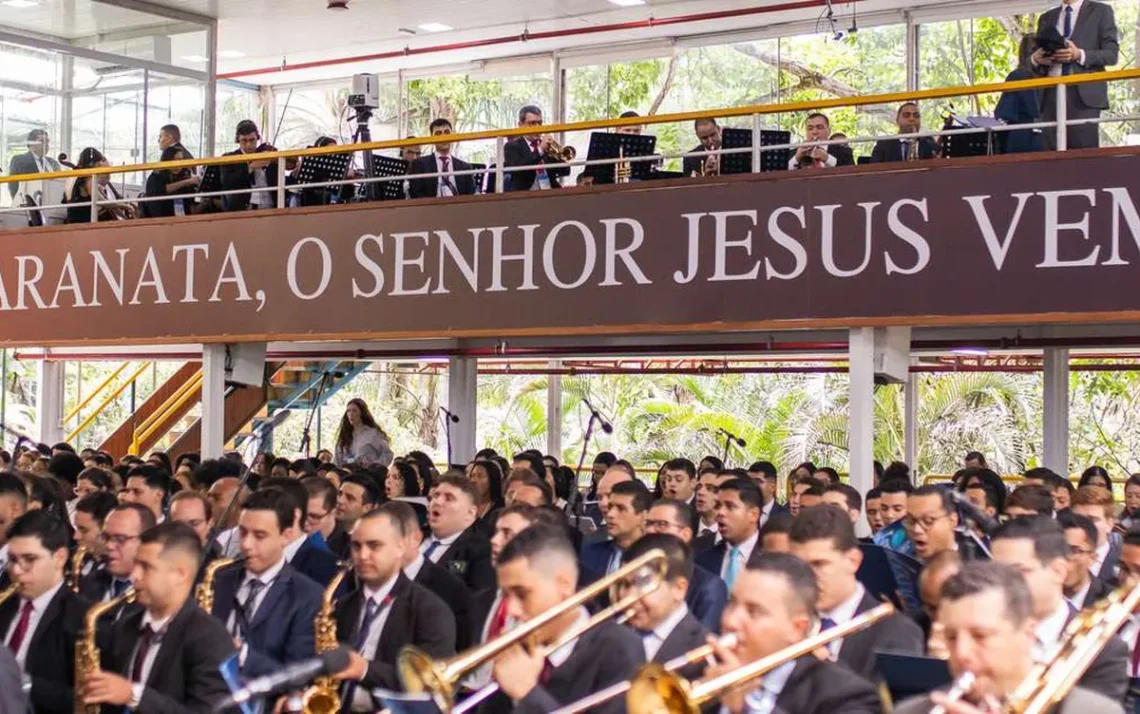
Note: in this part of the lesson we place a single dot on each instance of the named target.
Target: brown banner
(1041, 239)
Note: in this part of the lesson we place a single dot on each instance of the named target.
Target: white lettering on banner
(326, 268)
(403, 261)
(588, 261)
(787, 242)
(827, 238)
(468, 269)
(365, 261)
(67, 273)
(1122, 205)
(232, 265)
(114, 282)
(724, 244)
(498, 257)
(190, 250)
(28, 284)
(998, 249)
(150, 267)
(694, 233)
(1053, 229)
(625, 254)
(914, 238)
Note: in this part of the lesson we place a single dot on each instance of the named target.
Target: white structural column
(910, 420)
(861, 396)
(49, 401)
(462, 384)
(213, 421)
(1055, 432)
(554, 412)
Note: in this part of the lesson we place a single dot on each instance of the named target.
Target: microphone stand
(448, 418)
(306, 433)
(577, 511)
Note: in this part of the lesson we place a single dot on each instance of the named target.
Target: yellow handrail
(102, 385)
(816, 105)
(106, 401)
(173, 403)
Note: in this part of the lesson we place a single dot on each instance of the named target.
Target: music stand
(962, 145)
(604, 145)
(322, 169)
(776, 160)
(211, 180)
(387, 166)
(478, 178)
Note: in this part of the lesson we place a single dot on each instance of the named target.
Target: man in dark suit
(302, 552)
(1036, 546)
(818, 128)
(708, 132)
(1091, 45)
(387, 612)
(35, 161)
(531, 151)
(537, 570)
(706, 533)
(626, 510)
(165, 658)
(738, 510)
(267, 605)
(454, 544)
(1082, 588)
(122, 529)
(905, 148)
(662, 619)
(824, 538)
(679, 481)
(775, 597)
(253, 174)
(987, 610)
(440, 161)
(1098, 505)
(764, 474)
(43, 621)
(707, 594)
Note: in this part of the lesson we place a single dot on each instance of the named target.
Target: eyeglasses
(927, 522)
(1075, 550)
(317, 517)
(118, 540)
(661, 525)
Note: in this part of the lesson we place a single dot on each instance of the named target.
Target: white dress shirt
(1078, 598)
(1056, 69)
(793, 164)
(1098, 558)
(1049, 632)
(655, 638)
(229, 542)
(766, 512)
(361, 699)
(444, 544)
(559, 656)
(445, 184)
(746, 549)
(4, 558)
(412, 569)
(842, 613)
(38, 606)
(267, 579)
(159, 629)
(763, 699)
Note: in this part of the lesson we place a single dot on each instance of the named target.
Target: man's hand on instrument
(107, 688)
(517, 671)
(356, 669)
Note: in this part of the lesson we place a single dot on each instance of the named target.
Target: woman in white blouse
(360, 440)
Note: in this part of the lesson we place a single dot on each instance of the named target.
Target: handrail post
(93, 189)
(757, 125)
(1062, 117)
(281, 182)
(500, 157)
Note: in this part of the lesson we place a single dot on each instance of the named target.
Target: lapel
(276, 592)
(348, 615)
(171, 642)
(226, 584)
(126, 635)
(392, 636)
(787, 700)
(53, 615)
(1082, 20)
(680, 639)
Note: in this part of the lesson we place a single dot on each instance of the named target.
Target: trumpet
(616, 690)
(959, 689)
(419, 673)
(564, 154)
(654, 690)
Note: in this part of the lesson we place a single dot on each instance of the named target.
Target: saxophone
(322, 697)
(8, 592)
(87, 652)
(204, 593)
(77, 567)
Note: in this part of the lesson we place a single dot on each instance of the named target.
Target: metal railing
(144, 432)
(282, 188)
(105, 402)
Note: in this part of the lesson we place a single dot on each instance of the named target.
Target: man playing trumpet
(532, 151)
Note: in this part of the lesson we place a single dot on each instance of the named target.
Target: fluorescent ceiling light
(974, 351)
(20, 3)
(627, 3)
(435, 27)
(230, 54)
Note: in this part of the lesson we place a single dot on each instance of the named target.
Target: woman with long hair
(80, 195)
(487, 478)
(1096, 476)
(360, 440)
(425, 469)
(401, 481)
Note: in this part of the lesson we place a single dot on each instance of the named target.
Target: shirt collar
(1076, 7)
(156, 626)
(382, 592)
(1102, 552)
(4, 554)
(559, 656)
(845, 611)
(444, 542)
(1050, 628)
(777, 679)
(747, 546)
(268, 576)
(292, 548)
(767, 509)
(1078, 598)
(40, 604)
(666, 626)
(413, 568)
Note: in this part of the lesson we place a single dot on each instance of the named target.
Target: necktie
(371, 610)
(431, 548)
(247, 609)
(498, 620)
(547, 672)
(1067, 68)
(119, 586)
(826, 623)
(445, 179)
(21, 627)
(145, 640)
(733, 569)
(534, 148)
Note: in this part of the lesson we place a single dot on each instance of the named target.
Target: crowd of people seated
(448, 558)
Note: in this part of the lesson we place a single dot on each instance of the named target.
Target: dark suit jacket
(1094, 32)
(477, 614)
(92, 588)
(687, 635)
(1107, 573)
(1108, 674)
(238, 176)
(517, 152)
(703, 542)
(897, 634)
(594, 559)
(25, 163)
(469, 559)
(339, 543)
(1079, 701)
(712, 559)
(843, 157)
(281, 631)
(184, 678)
(417, 617)
(691, 165)
(1098, 590)
(11, 696)
(707, 597)
(51, 653)
(429, 187)
(818, 687)
(602, 656)
(891, 150)
(315, 563)
(454, 594)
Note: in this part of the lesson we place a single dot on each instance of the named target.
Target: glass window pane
(306, 113)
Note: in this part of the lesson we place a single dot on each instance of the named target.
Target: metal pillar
(49, 401)
(554, 412)
(462, 384)
(910, 420)
(1055, 432)
(861, 405)
(213, 430)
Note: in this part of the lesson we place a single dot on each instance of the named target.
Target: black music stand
(211, 181)
(604, 145)
(775, 160)
(956, 145)
(479, 177)
(387, 166)
(322, 169)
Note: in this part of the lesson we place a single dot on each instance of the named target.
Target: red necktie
(446, 163)
(498, 620)
(819, 164)
(140, 654)
(547, 672)
(21, 627)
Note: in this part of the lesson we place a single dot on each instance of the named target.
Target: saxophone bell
(87, 651)
(323, 696)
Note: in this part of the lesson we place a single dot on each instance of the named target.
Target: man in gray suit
(1089, 30)
(12, 697)
(987, 613)
(35, 161)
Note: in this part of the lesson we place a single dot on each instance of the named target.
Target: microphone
(733, 438)
(454, 419)
(606, 426)
(294, 675)
(973, 513)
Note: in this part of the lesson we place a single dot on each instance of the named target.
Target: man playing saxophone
(41, 623)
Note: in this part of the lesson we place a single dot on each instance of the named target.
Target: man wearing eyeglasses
(930, 521)
(1082, 590)
(707, 594)
(121, 531)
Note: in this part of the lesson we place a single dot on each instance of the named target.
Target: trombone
(419, 673)
(654, 690)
